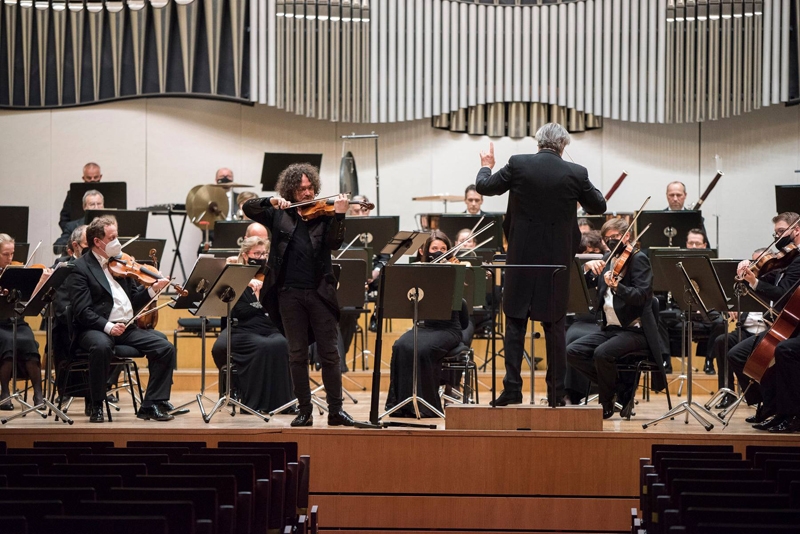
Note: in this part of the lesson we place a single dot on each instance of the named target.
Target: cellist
(769, 287)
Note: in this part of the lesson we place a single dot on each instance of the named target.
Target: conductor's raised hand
(280, 203)
(341, 204)
(487, 158)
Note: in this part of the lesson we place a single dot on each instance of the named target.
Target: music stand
(219, 301)
(229, 234)
(21, 252)
(205, 272)
(378, 230)
(129, 222)
(43, 301)
(405, 297)
(351, 295)
(357, 253)
(14, 222)
(20, 284)
(276, 162)
(140, 249)
(452, 224)
(669, 227)
(115, 196)
(657, 255)
(787, 198)
(697, 281)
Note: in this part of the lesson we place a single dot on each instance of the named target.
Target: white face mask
(113, 248)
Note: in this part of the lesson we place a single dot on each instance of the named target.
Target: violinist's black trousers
(737, 358)
(160, 358)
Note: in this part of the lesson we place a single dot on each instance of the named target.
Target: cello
(784, 327)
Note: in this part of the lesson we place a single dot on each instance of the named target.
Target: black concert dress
(434, 340)
(260, 354)
(27, 347)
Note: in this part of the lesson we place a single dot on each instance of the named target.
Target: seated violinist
(468, 250)
(101, 306)
(770, 285)
(28, 362)
(258, 349)
(779, 388)
(623, 301)
(92, 200)
(434, 340)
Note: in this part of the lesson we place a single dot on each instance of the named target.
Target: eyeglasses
(778, 233)
(257, 255)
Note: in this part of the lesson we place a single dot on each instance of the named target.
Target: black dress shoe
(87, 409)
(304, 419)
(167, 407)
(113, 398)
(340, 418)
(96, 414)
(759, 417)
(291, 410)
(508, 397)
(726, 401)
(154, 412)
(708, 368)
(7, 406)
(608, 409)
(770, 422)
(789, 425)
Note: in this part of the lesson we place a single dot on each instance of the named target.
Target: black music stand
(696, 280)
(42, 301)
(21, 252)
(358, 254)
(20, 284)
(451, 224)
(787, 198)
(219, 301)
(14, 222)
(276, 162)
(115, 196)
(205, 272)
(669, 227)
(660, 265)
(129, 222)
(400, 244)
(406, 289)
(229, 234)
(351, 295)
(378, 230)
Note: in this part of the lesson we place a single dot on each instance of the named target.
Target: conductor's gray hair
(552, 136)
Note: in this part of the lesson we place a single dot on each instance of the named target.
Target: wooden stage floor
(413, 480)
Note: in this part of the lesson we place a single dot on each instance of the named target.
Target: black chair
(277, 455)
(39, 459)
(150, 460)
(31, 510)
(100, 483)
(302, 487)
(180, 515)
(71, 453)
(117, 524)
(289, 446)
(194, 446)
(752, 450)
(126, 471)
(172, 453)
(204, 500)
(68, 496)
(192, 327)
(96, 446)
(462, 359)
(14, 525)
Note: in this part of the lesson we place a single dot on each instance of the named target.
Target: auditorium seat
(289, 446)
(172, 453)
(68, 496)
(72, 453)
(150, 460)
(14, 524)
(193, 446)
(100, 483)
(96, 446)
(206, 507)
(126, 471)
(278, 455)
(117, 525)
(179, 515)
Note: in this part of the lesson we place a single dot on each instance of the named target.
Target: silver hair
(76, 235)
(91, 193)
(250, 243)
(553, 136)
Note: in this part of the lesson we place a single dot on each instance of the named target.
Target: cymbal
(206, 203)
(440, 198)
(231, 184)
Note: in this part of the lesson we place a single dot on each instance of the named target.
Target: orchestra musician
(92, 200)
(592, 243)
(28, 363)
(468, 250)
(696, 238)
(780, 388)
(359, 210)
(473, 200)
(259, 351)
(585, 225)
(542, 229)
(434, 340)
(102, 304)
(676, 196)
(299, 291)
(91, 174)
(241, 198)
(627, 320)
(770, 287)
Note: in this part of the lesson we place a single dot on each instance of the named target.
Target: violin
(771, 262)
(326, 208)
(125, 266)
(626, 254)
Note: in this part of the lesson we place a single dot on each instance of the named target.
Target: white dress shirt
(122, 311)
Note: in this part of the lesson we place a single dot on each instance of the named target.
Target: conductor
(542, 229)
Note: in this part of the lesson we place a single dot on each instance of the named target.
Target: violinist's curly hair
(291, 178)
(619, 224)
(97, 228)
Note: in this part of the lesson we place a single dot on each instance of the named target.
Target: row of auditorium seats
(155, 487)
(710, 489)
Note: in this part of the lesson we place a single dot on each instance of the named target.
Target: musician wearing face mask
(258, 349)
(101, 307)
(627, 320)
(299, 292)
(92, 200)
(770, 287)
(434, 340)
(91, 174)
(28, 363)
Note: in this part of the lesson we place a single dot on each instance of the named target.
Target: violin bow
(307, 202)
(630, 227)
(144, 311)
(774, 242)
(129, 241)
(479, 245)
(350, 244)
(458, 247)
(30, 258)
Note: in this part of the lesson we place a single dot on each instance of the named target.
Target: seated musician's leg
(100, 347)
(737, 358)
(160, 355)
(786, 377)
(580, 353)
(606, 355)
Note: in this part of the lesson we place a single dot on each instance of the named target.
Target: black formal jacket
(63, 240)
(91, 297)
(326, 233)
(541, 226)
(769, 290)
(66, 213)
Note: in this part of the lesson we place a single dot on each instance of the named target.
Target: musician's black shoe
(759, 417)
(7, 406)
(608, 408)
(96, 414)
(291, 410)
(667, 363)
(708, 368)
(304, 419)
(726, 401)
(87, 408)
(790, 424)
(154, 412)
(113, 398)
(508, 397)
(770, 422)
(340, 418)
(167, 407)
